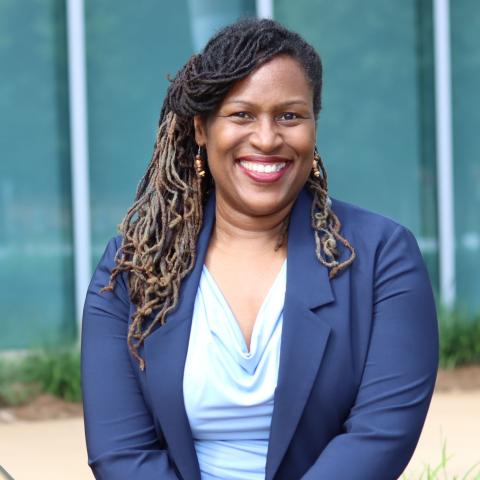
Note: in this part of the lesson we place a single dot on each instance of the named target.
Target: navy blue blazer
(358, 362)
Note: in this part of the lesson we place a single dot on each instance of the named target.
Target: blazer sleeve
(385, 422)
(121, 438)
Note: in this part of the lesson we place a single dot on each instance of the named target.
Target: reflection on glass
(208, 16)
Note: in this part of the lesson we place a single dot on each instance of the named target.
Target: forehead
(280, 79)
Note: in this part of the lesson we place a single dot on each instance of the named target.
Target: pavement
(55, 449)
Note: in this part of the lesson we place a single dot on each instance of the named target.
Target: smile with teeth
(263, 167)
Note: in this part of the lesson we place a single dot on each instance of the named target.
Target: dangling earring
(199, 163)
(316, 159)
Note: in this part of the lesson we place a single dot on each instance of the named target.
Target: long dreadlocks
(160, 229)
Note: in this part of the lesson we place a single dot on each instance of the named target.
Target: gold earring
(316, 159)
(199, 163)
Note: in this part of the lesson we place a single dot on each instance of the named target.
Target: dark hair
(232, 54)
(160, 229)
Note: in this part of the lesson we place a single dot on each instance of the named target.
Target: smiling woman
(217, 326)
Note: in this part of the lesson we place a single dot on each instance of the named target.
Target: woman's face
(260, 141)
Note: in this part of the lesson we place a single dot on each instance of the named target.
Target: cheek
(222, 148)
(304, 143)
(221, 142)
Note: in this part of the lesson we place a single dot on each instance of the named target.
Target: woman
(251, 326)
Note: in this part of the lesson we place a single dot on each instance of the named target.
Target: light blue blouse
(229, 390)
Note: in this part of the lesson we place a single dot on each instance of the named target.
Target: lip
(263, 159)
(264, 177)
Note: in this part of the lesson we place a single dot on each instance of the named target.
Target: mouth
(264, 169)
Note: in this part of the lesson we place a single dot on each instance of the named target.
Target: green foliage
(12, 390)
(459, 337)
(55, 371)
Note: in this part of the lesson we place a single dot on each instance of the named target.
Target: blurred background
(81, 87)
(377, 132)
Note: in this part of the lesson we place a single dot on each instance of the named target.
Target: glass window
(36, 267)
(376, 128)
(208, 16)
(465, 25)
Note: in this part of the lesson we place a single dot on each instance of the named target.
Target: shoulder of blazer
(355, 217)
(364, 229)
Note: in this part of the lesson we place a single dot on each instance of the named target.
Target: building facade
(397, 131)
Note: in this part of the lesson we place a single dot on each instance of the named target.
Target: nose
(265, 136)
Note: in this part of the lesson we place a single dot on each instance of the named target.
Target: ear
(200, 130)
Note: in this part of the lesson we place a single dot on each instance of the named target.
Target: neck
(237, 231)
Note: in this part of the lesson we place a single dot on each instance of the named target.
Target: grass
(53, 370)
(439, 472)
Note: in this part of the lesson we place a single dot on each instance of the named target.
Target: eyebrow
(282, 105)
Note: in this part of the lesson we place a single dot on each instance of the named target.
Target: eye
(289, 116)
(242, 115)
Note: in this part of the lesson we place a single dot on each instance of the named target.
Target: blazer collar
(304, 338)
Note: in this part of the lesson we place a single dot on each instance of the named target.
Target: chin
(266, 204)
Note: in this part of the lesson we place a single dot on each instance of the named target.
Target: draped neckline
(226, 328)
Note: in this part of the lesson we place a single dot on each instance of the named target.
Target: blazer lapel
(304, 333)
(165, 353)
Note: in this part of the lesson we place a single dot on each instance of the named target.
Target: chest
(245, 286)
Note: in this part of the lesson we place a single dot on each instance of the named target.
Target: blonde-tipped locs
(159, 235)
(160, 230)
(327, 225)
